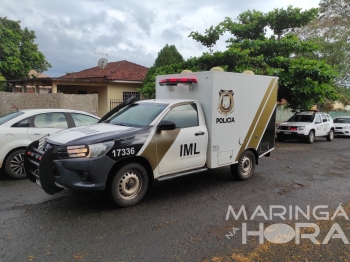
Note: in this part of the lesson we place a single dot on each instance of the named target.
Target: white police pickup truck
(306, 125)
(199, 121)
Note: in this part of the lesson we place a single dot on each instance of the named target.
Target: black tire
(280, 138)
(311, 137)
(245, 167)
(330, 136)
(14, 165)
(129, 185)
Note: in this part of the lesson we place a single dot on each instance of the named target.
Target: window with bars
(127, 95)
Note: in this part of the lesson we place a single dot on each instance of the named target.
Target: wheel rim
(246, 165)
(129, 185)
(312, 137)
(17, 165)
(331, 134)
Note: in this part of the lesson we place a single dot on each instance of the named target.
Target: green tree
(283, 21)
(2, 83)
(166, 56)
(303, 82)
(330, 31)
(209, 39)
(18, 52)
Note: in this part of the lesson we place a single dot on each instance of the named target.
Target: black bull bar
(39, 167)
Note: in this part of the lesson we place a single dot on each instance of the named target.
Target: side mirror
(166, 125)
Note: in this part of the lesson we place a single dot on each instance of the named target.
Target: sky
(70, 33)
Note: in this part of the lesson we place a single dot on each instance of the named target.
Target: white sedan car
(342, 125)
(19, 128)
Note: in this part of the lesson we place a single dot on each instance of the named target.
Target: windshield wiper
(120, 124)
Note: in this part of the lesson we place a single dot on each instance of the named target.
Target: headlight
(279, 127)
(346, 127)
(301, 127)
(100, 149)
(77, 151)
(94, 150)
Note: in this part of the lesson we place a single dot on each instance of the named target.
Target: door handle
(199, 133)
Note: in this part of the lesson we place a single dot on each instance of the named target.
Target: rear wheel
(129, 185)
(245, 167)
(14, 165)
(311, 137)
(330, 136)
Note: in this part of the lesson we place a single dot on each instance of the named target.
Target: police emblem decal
(226, 102)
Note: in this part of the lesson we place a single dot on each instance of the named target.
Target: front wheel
(245, 167)
(330, 135)
(14, 165)
(129, 185)
(280, 138)
(311, 137)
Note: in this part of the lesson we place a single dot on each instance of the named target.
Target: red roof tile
(114, 71)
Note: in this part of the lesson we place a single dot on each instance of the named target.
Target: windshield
(9, 116)
(138, 115)
(341, 120)
(302, 118)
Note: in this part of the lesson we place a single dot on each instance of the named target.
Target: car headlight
(94, 150)
(301, 127)
(100, 149)
(279, 127)
(346, 127)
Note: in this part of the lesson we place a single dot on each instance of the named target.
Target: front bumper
(52, 173)
(290, 134)
(342, 132)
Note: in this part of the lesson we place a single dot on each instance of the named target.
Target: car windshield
(302, 118)
(341, 120)
(9, 116)
(139, 114)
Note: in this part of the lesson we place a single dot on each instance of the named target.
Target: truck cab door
(326, 125)
(319, 126)
(185, 147)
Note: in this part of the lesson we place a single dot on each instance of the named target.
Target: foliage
(303, 82)
(331, 31)
(2, 83)
(252, 24)
(18, 52)
(209, 39)
(168, 55)
(283, 21)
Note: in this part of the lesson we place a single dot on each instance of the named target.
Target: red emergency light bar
(175, 81)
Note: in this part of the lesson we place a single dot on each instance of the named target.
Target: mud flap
(27, 166)
(46, 172)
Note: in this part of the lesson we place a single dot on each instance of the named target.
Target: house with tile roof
(113, 84)
(34, 88)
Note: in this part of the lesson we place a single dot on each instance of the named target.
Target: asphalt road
(185, 219)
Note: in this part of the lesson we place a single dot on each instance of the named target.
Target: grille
(42, 143)
(287, 127)
(338, 128)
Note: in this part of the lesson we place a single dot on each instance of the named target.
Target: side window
(51, 120)
(328, 118)
(318, 119)
(83, 120)
(183, 116)
(324, 119)
(23, 123)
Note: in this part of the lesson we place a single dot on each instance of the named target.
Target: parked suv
(306, 125)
